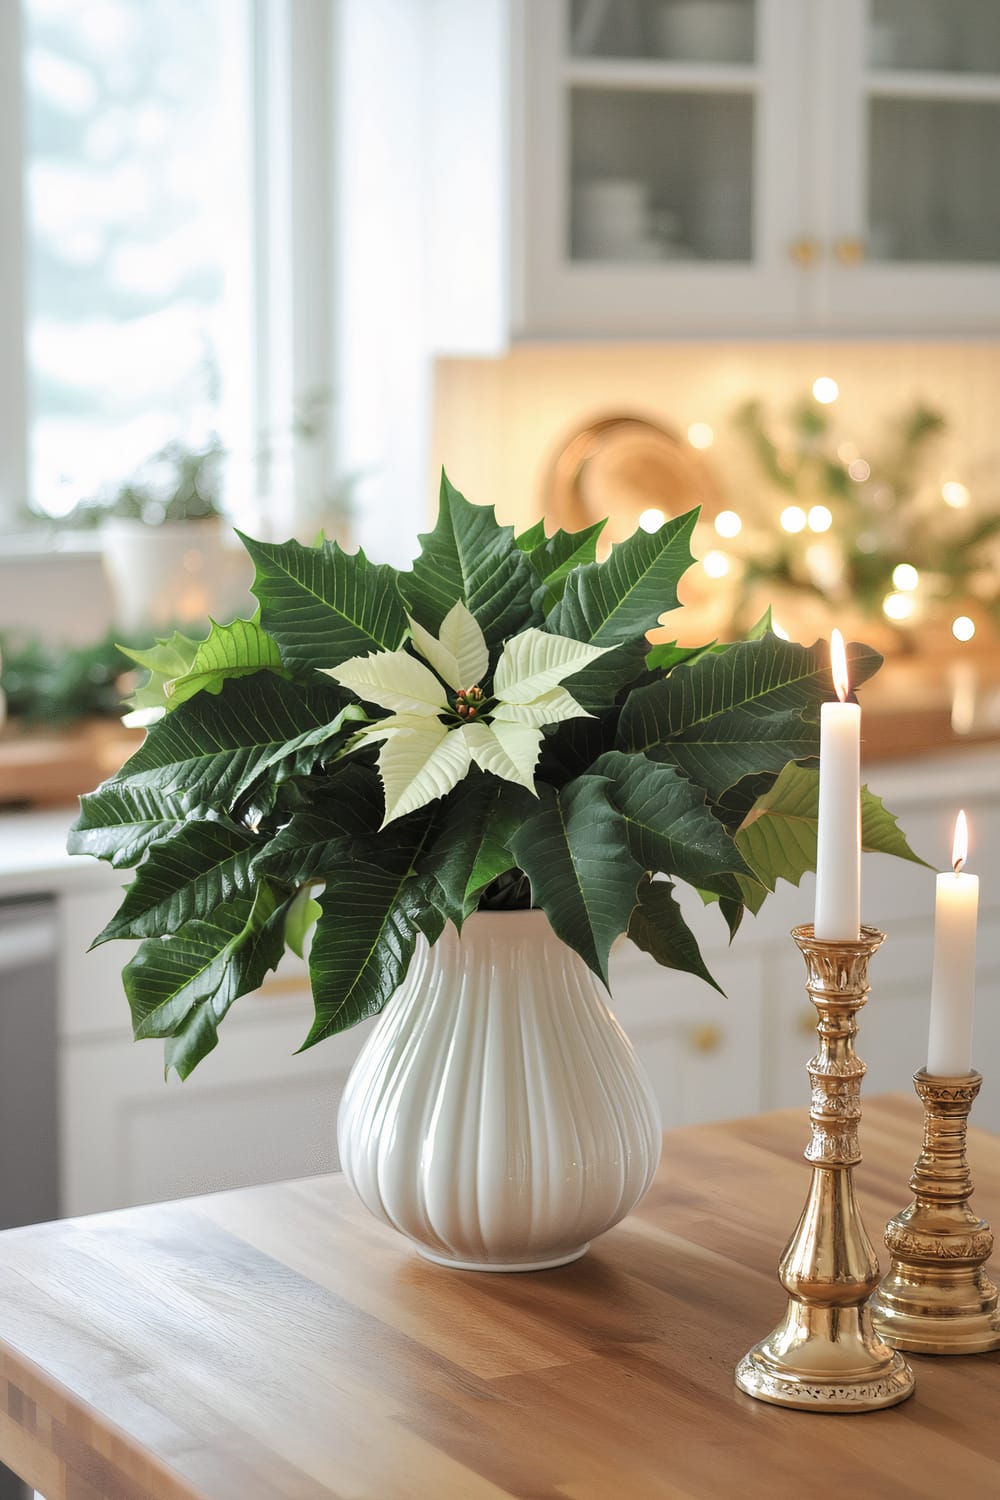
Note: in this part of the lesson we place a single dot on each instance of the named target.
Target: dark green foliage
(253, 793)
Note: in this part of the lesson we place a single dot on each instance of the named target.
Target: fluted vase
(498, 1115)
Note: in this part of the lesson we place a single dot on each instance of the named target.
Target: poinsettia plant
(489, 729)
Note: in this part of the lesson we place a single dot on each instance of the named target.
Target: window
(138, 203)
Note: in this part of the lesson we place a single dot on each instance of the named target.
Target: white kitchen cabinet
(665, 168)
(907, 192)
(660, 191)
(254, 1111)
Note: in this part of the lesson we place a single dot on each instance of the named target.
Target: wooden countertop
(277, 1344)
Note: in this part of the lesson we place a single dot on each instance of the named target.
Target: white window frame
(13, 403)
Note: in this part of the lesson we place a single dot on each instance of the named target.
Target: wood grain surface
(277, 1344)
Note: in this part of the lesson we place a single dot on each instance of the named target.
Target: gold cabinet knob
(804, 251)
(705, 1038)
(849, 251)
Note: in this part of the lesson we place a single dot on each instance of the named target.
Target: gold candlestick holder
(937, 1297)
(825, 1355)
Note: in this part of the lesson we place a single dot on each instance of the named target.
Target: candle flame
(960, 846)
(838, 663)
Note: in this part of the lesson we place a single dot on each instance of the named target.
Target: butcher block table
(276, 1342)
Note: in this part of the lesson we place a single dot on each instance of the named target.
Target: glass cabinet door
(655, 131)
(933, 130)
(660, 175)
(917, 183)
(665, 171)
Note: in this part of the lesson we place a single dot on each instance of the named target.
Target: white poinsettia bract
(445, 721)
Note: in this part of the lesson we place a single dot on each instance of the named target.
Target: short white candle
(838, 855)
(953, 986)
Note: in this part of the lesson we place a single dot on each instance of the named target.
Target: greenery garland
(883, 512)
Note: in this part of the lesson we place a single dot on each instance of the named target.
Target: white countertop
(33, 857)
(971, 772)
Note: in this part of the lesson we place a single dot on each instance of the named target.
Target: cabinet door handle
(849, 250)
(804, 250)
(705, 1038)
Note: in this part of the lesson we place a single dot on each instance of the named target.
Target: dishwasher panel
(29, 1096)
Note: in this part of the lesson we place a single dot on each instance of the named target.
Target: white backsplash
(498, 424)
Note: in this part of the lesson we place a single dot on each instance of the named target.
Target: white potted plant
(162, 539)
(486, 775)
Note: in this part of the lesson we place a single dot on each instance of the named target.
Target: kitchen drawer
(700, 1048)
(92, 999)
(252, 1112)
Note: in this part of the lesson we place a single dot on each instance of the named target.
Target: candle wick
(957, 866)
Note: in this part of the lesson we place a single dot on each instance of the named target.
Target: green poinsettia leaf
(763, 627)
(235, 650)
(200, 867)
(466, 849)
(529, 540)
(779, 836)
(169, 657)
(469, 556)
(182, 986)
(752, 892)
(658, 928)
(554, 558)
(615, 601)
(211, 749)
(322, 837)
(880, 830)
(667, 655)
(740, 739)
(371, 917)
(119, 823)
(494, 857)
(573, 847)
(602, 684)
(670, 826)
(323, 605)
(302, 915)
(750, 708)
(322, 743)
(732, 806)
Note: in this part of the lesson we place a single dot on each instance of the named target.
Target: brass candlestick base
(825, 1355)
(937, 1297)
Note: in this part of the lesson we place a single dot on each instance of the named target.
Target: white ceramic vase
(498, 1115)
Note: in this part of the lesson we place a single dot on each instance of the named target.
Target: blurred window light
(138, 178)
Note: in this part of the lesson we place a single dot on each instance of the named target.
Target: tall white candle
(838, 857)
(953, 986)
